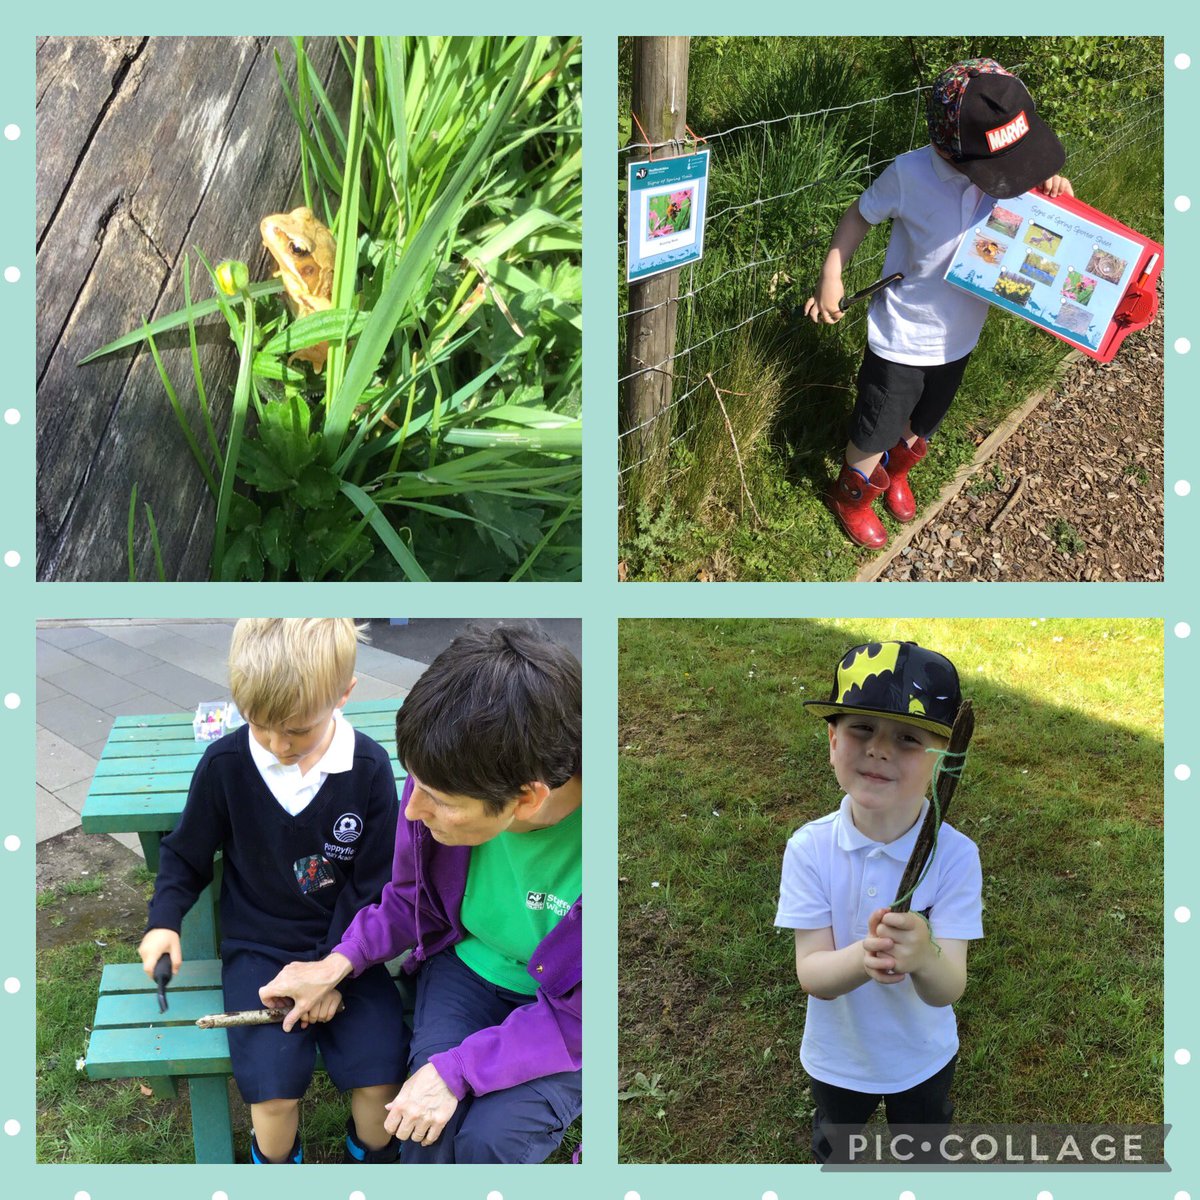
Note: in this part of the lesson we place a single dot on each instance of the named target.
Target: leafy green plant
(444, 439)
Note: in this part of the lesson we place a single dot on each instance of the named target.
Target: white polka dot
(1182, 345)
(633, 1196)
(908, 1196)
(495, 1196)
(12, 275)
(12, 558)
(12, 1128)
(1183, 61)
(1183, 1057)
(220, 1196)
(12, 132)
(1045, 1196)
(12, 985)
(12, 700)
(1182, 487)
(1183, 772)
(1183, 914)
(83, 1196)
(1183, 1196)
(770, 1196)
(357, 1196)
(1182, 203)
(12, 842)
(11, 416)
(1183, 629)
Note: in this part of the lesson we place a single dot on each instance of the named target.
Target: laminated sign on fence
(1064, 266)
(666, 213)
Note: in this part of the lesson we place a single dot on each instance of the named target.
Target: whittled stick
(960, 738)
(247, 1016)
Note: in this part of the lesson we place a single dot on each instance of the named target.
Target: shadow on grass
(1062, 1017)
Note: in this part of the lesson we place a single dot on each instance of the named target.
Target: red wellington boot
(899, 497)
(851, 497)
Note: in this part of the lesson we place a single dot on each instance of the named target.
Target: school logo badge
(348, 827)
(1004, 136)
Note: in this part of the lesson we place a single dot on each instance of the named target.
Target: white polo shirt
(923, 320)
(881, 1037)
(295, 789)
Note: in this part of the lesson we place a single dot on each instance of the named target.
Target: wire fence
(764, 244)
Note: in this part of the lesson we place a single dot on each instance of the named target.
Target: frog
(303, 249)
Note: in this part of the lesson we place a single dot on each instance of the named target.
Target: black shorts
(364, 1045)
(891, 395)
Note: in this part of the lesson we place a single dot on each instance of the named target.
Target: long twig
(736, 452)
(960, 739)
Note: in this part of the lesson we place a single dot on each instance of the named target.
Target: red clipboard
(1138, 304)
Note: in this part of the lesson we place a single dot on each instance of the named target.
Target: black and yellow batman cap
(899, 680)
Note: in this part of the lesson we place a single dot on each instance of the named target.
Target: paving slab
(66, 636)
(96, 685)
(52, 659)
(47, 690)
(141, 637)
(115, 656)
(59, 763)
(75, 721)
(51, 816)
(184, 689)
(74, 795)
(371, 688)
(206, 661)
(148, 704)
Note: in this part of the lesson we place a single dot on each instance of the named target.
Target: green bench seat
(131, 1039)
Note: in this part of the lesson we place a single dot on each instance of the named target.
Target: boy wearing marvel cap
(986, 143)
(880, 984)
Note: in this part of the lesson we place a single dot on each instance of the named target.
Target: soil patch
(1075, 494)
(76, 858)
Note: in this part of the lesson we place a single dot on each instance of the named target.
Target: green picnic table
(140, 786)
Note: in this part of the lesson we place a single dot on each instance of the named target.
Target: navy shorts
(891, 395)
(521, 1124)
(364, 1045)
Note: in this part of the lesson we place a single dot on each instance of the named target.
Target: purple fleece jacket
(421, 908)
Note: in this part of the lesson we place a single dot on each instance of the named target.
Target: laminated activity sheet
(1062, 265)
(666, 213)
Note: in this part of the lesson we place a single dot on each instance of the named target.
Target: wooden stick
(960, 739)
(248, 1016)
(736, 453)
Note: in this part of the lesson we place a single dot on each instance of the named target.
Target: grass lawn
(1062, 792)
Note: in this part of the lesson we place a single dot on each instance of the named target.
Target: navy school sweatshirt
(289, 883)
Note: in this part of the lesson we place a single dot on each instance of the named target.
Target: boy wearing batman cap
(880, 984)
(987, 143)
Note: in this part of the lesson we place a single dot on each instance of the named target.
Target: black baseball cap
(898, 680)
(984, 118)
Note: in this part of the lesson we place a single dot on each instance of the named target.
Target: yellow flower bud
(232, 277)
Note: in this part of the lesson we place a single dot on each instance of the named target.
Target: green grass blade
(129, 534)
(197, 373)
(188, 435)
(158, 559)
(176, 319)
(233, 444)
(547, 538)
(387, 535)
(566, 440)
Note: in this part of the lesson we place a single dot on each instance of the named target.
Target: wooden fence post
(659, 99)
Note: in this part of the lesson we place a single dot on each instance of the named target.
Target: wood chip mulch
(1076, 493)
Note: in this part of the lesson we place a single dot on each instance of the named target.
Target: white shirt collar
(850, 837)
(337, 758)
(947, 171)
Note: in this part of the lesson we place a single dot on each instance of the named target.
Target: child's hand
(879, 957)
(155, 944)
(324, 1009)
(1057, 185)
(912, 943)
(823, 307)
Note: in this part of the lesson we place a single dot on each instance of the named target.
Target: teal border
(599, 601)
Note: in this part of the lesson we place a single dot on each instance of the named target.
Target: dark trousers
(892, 394)
(841, 1112)
(521, 1124)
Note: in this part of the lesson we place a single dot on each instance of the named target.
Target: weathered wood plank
(194, 145)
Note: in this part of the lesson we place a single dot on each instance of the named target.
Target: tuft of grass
(1062, 792)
